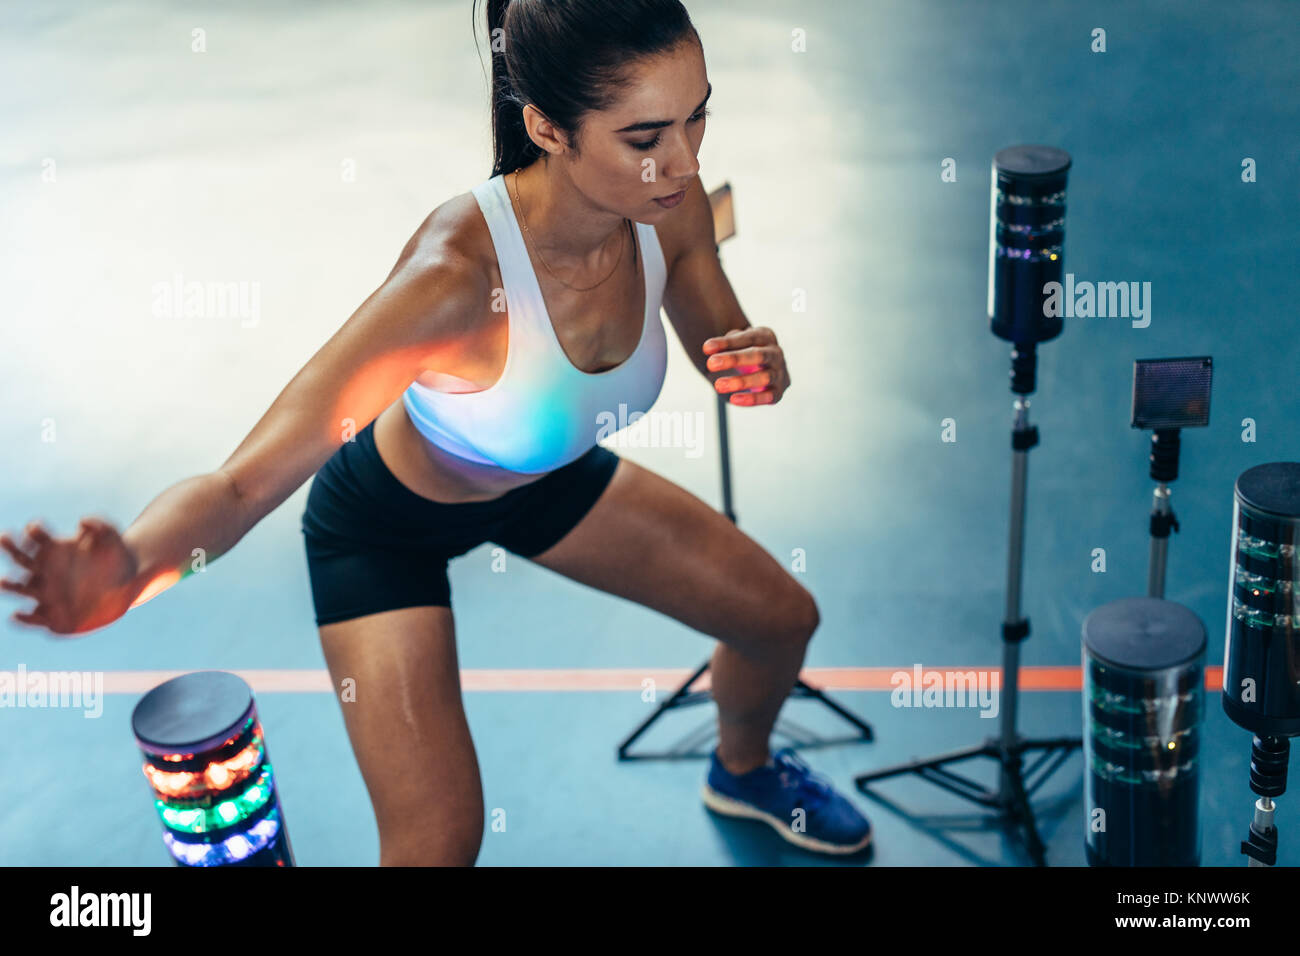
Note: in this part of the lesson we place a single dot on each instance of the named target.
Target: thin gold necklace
(537, 249)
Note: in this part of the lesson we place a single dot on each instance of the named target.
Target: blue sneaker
(772, 793)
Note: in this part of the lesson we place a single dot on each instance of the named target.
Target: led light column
(209, 772)
(1143, 699)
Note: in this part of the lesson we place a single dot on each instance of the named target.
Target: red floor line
(316, 681)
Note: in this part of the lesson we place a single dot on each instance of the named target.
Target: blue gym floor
(226, 166)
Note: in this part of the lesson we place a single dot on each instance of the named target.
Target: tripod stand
(724, 228)
(1016, 782)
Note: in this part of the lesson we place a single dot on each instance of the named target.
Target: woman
(479, 423)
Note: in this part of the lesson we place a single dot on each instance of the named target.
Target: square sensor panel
(724, 216)
(1172, 393)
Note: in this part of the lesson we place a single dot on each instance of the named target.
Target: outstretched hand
(79, 583)
(760, 377)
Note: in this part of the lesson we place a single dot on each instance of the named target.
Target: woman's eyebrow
(660, 124)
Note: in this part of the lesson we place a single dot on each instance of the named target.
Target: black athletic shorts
(375, 545)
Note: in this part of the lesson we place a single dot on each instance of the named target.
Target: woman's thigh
(397, 678)
(651, 541)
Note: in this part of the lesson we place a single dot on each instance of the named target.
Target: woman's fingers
(38, 535)
(717, 342)
(21, 558)
(740, 338)
(765, 397)
(95, 526)
(735, 383)
(17, 587)
(33, 618)
(51, 565)
(758, 355)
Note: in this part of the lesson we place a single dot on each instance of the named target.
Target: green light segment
(1254, 617)
(224, 814)
(1120, 704)
(1263, 548)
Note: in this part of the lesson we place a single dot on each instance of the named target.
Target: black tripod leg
(670, 703)
(931, 769)
(1019, 810)
(1055, 751)
(807, 690)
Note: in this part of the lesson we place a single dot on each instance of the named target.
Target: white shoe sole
(734, 808)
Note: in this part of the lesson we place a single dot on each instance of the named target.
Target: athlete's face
(644, 146)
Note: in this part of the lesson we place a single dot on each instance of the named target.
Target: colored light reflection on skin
(372, 389)
(224, 814)
(221, 775)
(726, 384)
(156, 587)
(233, 849)
(161, 583)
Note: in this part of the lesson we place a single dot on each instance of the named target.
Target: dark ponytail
(567, 58)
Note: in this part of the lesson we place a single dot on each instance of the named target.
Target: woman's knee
(805, 616)
(813, 617)
(790, 619)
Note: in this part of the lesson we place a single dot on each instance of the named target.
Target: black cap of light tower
(192, 713)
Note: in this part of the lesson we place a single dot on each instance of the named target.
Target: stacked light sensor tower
(1261, 666)
(207, 766)
(1143, 696)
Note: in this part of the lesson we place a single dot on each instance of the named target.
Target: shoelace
(813, 790)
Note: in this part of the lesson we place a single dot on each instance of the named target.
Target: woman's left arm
(742, 361)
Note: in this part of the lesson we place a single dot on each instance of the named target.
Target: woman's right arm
(415, 320)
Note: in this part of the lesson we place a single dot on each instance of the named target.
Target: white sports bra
(543, 412)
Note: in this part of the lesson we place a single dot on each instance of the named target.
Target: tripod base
(685, 697)
(1011, 800)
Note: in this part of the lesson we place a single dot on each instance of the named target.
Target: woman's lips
(669, 201)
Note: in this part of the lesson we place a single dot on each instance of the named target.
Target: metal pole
(1015, 567)
(1159, 546)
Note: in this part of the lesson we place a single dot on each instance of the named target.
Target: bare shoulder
(446, 261)
(689, 226)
